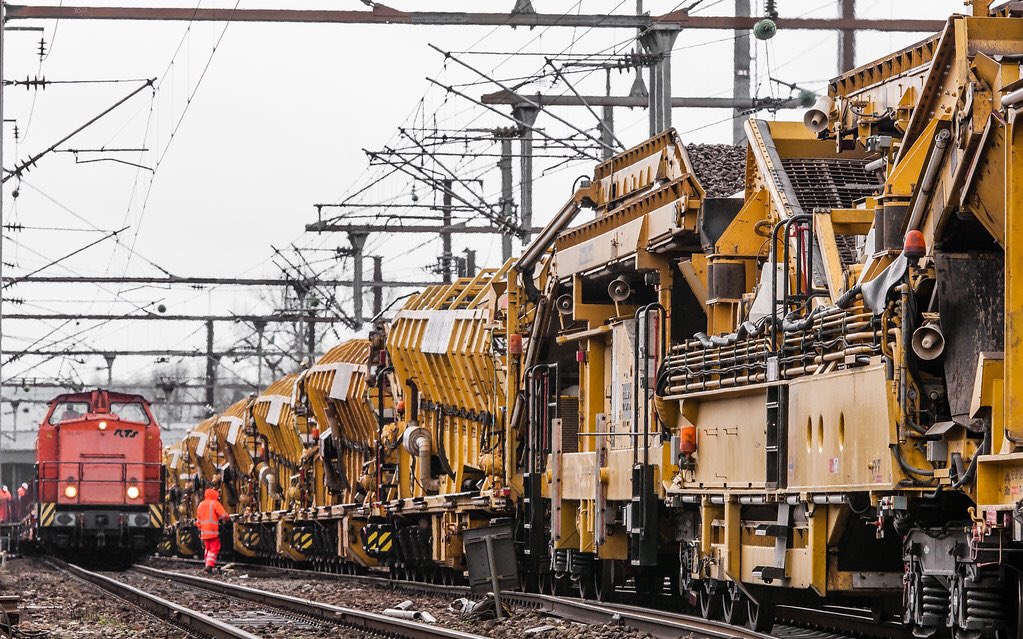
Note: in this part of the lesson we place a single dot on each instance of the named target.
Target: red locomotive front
(99, 473)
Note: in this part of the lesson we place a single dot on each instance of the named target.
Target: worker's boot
(208, 570)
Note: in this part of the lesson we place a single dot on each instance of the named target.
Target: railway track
(795, 623)
(337, 615)
(188, 619)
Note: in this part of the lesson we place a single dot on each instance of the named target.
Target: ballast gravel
(720, 168)
(523, 624)
(57, 606)
(261, 621)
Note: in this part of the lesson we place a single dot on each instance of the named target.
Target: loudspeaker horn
(928, 342)
(816, 118)
(565, 304)
(619, 289)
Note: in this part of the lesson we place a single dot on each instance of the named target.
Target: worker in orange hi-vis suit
(5, 504)
(208, 517)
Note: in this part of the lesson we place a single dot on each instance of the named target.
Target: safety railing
(54, 478)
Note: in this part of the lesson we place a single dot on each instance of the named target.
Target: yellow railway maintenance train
(807, 393)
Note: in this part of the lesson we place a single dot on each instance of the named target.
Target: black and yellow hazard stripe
(384, 541)
(249, 537)
(46, 514)
(156, 515)
(301, 540)
(371, 540)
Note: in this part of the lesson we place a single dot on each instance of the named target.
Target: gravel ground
(721, 168)
(375, 599)
(259, 620)
(68, 609)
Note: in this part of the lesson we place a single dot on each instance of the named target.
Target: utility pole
(358, 241)
(447, 258)
(507, 203)
(607, 124)
(658, 43)
(260, 328)
(378, 292)
(110, 357)
(311, 341)
(741, 79)
(211, 366)
(526, 116)
(3, 23)
(847, 38)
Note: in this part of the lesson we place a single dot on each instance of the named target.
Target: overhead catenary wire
(61, 259)
(174, 131)
(469, 161)
(525, 99)
(29, 163)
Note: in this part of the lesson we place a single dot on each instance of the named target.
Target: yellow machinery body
(801, 394)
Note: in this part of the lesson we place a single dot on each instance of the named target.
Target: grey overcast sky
(246, 138)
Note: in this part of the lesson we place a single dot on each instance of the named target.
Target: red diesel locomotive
(99, 476)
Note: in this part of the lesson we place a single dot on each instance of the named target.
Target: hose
(967, 477)
(913, 473)
(528, 285)
(442, 455)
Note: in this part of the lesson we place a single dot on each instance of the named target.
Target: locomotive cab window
(130, 412)
(67, 410)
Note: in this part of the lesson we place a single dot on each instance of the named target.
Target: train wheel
(733, 605)
(587, 586)
(1017, 630)
(544, 583)
(759, 617)
(710, 604)
(604, 580)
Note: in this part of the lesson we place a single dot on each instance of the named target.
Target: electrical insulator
(765, 29)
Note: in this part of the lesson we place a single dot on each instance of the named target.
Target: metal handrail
(45, 469)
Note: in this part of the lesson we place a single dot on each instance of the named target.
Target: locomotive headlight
(70, 491)
(102, 425)
(133, 492)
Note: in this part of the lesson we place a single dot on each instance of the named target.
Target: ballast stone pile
(720, 168)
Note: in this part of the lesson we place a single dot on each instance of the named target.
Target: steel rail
(789, 617)
(659, 624)
(175, 614)
(360, 619)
